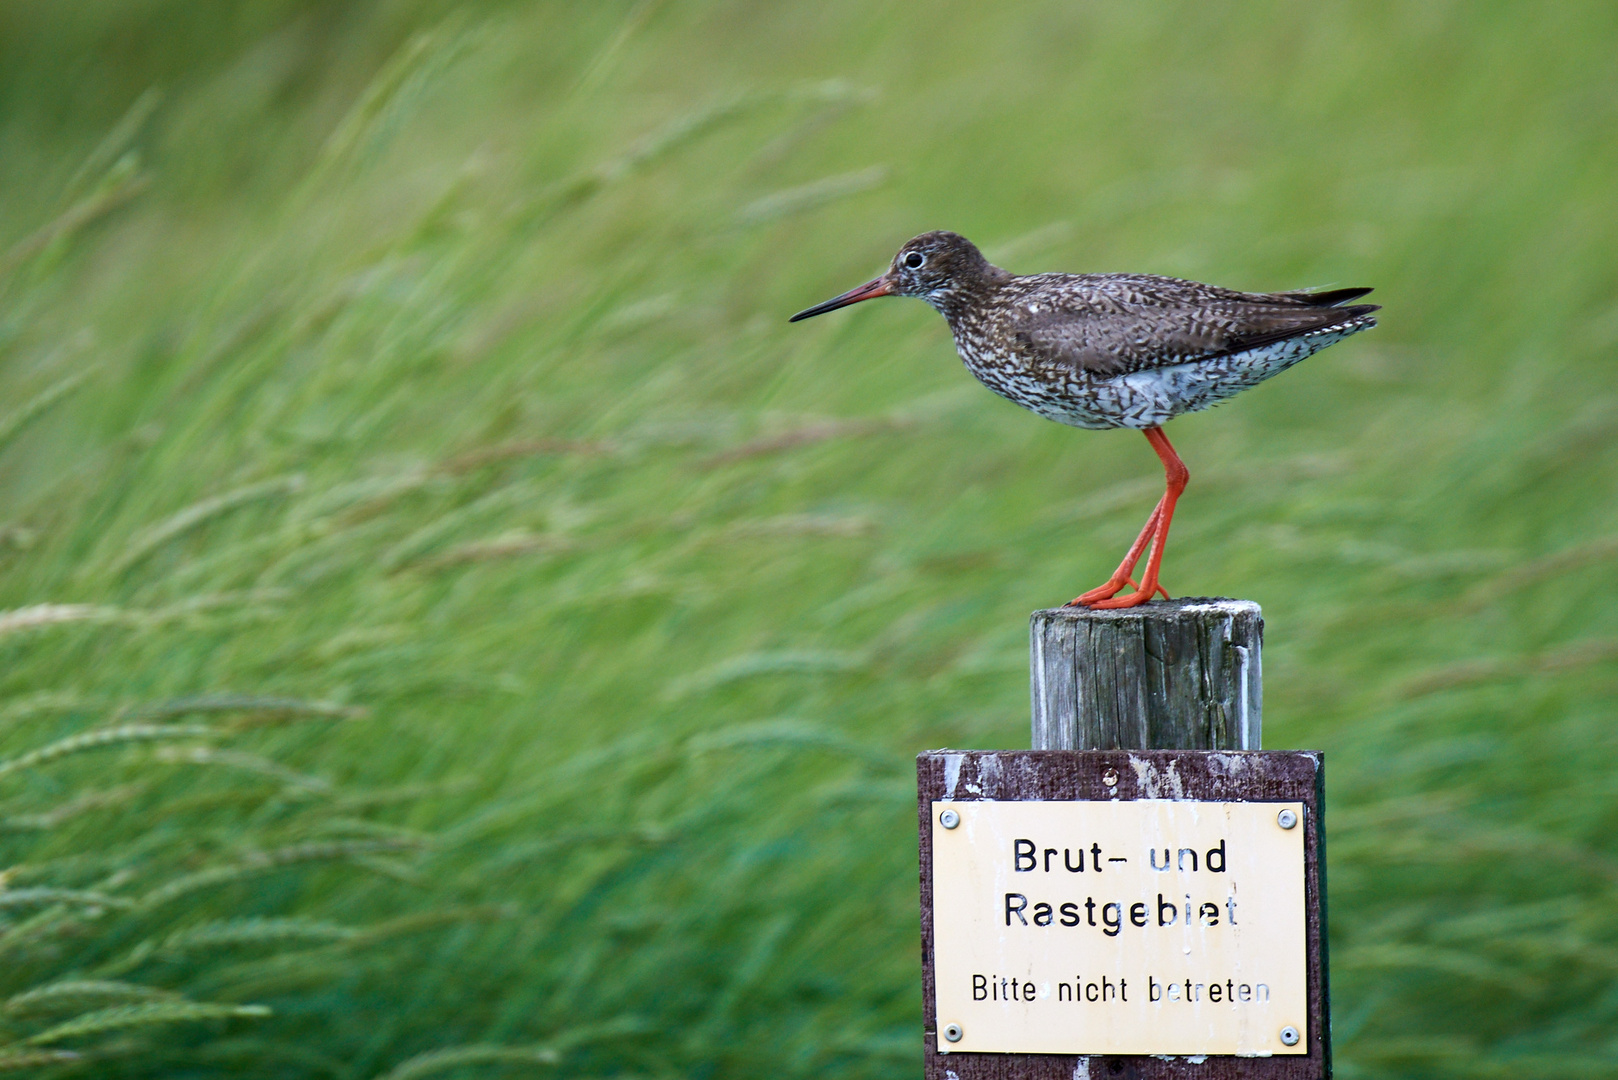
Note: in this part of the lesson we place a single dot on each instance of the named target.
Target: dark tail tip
(1334, 297)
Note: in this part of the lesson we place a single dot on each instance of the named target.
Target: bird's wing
(1112, 324)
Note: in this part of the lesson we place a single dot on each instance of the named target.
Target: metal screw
(953, 1033)
(1110, 778)
(949, 819)
(1287, 819)
(1289, 1035)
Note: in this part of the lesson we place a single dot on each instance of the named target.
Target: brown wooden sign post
(1140, 895)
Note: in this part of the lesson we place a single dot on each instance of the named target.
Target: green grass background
(398, 400)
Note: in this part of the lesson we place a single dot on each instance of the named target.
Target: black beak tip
(818, 309)
(870, 289)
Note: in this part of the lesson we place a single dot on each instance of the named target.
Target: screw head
(953, 1032)
(949, 819)
(1110, 778)
(1286, 819)
(1290, 1036)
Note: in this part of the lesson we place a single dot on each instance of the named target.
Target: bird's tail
(1329, 298)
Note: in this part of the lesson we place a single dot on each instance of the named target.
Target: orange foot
(1121, 576)
(1102, 595)
(1100, 592)
(1139, 596)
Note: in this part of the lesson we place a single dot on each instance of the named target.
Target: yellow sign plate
(1120, 927)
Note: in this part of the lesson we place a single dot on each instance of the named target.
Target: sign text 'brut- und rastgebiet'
(1146, 926)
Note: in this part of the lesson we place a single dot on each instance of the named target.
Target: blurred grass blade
(12, 424)
(17, 898)
(101, 739)
(811, 196)
(40, 615)
(149, 540)
(15, 1060)
(74, 993)
(123, 184)
(253, 931)
(117, 140)
(120, 1017)
(441, 1061)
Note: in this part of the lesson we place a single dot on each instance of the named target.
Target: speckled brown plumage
(1112, 350)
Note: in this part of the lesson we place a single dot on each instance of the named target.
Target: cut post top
(1186, 607)
(1168, 675)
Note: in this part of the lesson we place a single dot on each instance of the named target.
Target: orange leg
(1175, 477)
(1121, 576)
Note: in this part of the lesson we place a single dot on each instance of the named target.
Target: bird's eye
(914, 260)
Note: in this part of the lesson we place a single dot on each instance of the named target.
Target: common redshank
(1112, 351)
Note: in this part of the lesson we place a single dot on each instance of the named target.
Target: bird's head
(935, 266)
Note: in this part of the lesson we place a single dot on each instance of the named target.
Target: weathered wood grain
(1277, 776)
(1169, 675)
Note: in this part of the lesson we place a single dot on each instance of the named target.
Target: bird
(1112, 351)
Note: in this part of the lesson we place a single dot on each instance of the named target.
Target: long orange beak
(871, 289)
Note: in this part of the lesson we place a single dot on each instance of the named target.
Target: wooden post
(1133, 695)
(1169, 675)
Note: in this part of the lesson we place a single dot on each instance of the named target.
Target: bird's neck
(968, 295)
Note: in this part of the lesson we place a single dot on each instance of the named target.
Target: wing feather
(1112, 324)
